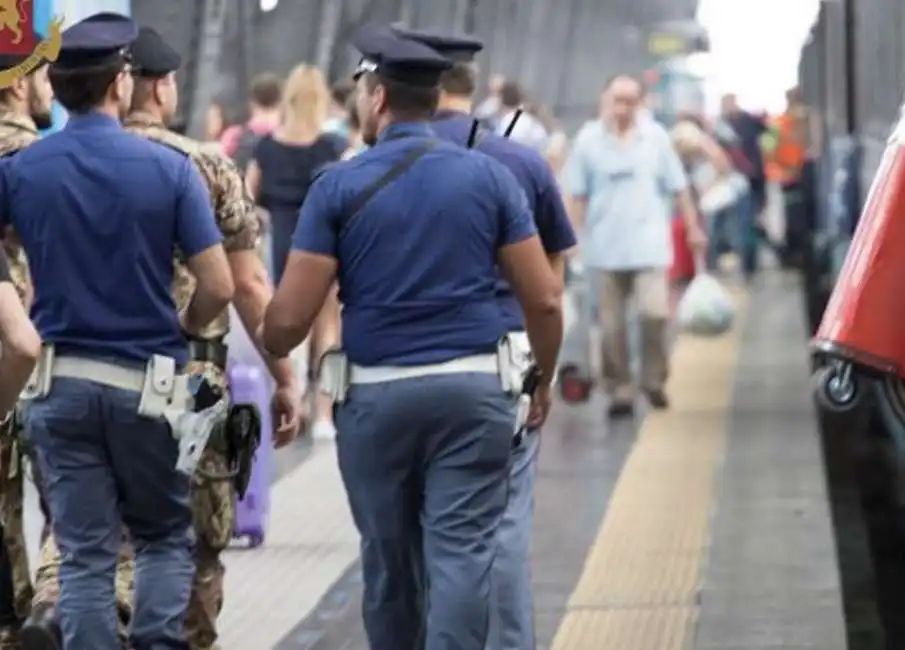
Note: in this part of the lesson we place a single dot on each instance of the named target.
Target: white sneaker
(323, 430)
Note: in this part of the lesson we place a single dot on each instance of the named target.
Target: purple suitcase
(250, 384)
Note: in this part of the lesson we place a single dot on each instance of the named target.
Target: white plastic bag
(706, 309)
(724, 194)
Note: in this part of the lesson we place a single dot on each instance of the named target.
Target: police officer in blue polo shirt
(99, 211)
(414, 229)
(513, 626)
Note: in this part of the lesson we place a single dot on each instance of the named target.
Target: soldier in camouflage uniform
(214, 495)
(25, 107)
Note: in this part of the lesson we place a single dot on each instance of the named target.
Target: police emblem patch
(17, 38)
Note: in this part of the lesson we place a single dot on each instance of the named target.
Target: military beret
(152, 56)
(98, 40)
(392, 57)
(8, 61)
(460, 49)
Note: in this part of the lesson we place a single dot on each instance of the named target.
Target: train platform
(704, 527)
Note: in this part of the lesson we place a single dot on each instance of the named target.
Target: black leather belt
(210, 351)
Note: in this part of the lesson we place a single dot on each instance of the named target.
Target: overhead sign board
(670, 39)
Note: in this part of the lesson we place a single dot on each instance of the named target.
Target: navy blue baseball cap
(391, 56)
(99, 40)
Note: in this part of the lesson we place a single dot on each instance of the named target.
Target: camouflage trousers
(214, 511)
(12, 519)
(47, 580)
(213, 504)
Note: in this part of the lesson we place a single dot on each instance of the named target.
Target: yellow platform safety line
(639, 586)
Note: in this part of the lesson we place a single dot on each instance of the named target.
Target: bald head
(623, 84)
(621, 99)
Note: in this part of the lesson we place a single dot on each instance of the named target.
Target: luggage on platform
(249, 383)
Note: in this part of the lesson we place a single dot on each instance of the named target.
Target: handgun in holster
(205, 393)
(530, 383)
(193, 429)
(243, 436)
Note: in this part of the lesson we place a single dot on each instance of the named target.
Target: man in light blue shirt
(624, 178)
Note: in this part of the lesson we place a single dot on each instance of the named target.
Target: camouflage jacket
(233, 209)
(16, 133)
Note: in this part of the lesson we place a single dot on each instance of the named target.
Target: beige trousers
(615, 289)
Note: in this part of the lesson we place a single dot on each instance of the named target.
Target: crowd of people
(731, 161)
(536, 126)
(427, 276)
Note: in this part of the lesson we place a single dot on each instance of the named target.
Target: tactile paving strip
(663, 628)
(638, 590)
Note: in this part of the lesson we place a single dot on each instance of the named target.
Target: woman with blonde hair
(282, 170)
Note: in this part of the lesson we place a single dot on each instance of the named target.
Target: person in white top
(489, 109)
(528, 130)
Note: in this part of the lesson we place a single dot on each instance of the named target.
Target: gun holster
(243, 436)
(193, 429)
(205, 394)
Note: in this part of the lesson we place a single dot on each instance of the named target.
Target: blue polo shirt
(417, 264)
(536, 180)
(99, 212)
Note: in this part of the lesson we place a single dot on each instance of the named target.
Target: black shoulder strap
(394, 172)
(476, 135)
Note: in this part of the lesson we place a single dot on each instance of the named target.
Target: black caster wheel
(835, 388)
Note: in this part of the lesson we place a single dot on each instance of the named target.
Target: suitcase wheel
(256, 540)
(255, 536)
(573, 387)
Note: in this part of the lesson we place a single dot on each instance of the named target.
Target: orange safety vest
(788, 157)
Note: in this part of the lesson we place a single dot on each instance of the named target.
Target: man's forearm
(15, 370)
(250, 301)
(20, 352)
(545, 332)
(201, 310)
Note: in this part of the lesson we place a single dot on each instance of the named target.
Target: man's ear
(380, 98)
(19, 87)
(156, 88)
